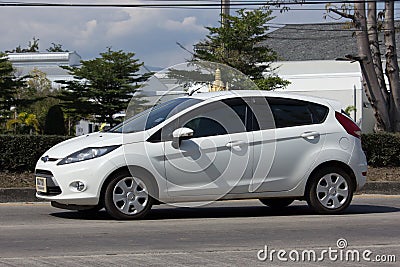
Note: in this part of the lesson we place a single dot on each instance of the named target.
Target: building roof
(321, 41)
(49, 58)
(49, 63)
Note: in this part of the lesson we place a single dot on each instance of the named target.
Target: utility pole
(225, 10)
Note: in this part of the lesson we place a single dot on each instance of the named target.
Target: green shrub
(382, 149)
(20, 153)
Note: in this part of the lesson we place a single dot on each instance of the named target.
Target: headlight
(87, 153)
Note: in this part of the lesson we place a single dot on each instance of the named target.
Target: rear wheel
(277, 203)
(330, 191)
(128, 197)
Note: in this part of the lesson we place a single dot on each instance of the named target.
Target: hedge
(19, 153)
(382, 149)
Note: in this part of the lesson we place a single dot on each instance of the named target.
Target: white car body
(297, 152)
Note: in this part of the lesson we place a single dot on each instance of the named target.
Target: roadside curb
(28, 194)
(384, 188)
(18, 195)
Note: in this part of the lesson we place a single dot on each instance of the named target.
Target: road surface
(230, 233)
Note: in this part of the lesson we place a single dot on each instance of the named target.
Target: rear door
(283, 155)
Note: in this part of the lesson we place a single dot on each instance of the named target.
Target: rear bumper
(358, 162)
(361, 179)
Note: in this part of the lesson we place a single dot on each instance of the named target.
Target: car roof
(252, 93)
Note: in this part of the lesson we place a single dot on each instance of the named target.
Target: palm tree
(24, 123)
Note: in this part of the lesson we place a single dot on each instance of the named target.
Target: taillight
(349, 125)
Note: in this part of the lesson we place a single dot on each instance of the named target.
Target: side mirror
(182, 134)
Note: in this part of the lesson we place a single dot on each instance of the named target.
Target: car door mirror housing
(182, 134)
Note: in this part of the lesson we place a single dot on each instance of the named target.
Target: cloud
(187, 24)
(151, 33)
(89, 29)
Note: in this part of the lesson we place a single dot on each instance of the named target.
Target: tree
(37, 96)
(55, 121)
(56, 48)
(33, 46)
(24, 123)
(8, 86)
(385, 101)
(102, 86)
(239, 43)
(392, 67)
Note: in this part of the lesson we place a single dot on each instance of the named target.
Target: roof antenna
(196, 89)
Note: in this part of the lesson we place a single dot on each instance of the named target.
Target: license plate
(41, 184)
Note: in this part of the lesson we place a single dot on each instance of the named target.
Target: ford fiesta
(211, 146)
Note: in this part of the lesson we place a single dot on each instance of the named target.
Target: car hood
(97, 139)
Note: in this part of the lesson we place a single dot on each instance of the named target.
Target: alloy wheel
(332, 191)
(130, 195)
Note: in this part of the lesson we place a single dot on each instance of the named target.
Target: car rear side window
(292, 112)
(319, 112)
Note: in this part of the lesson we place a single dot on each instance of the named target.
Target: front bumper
(52, 187)
(59, 178)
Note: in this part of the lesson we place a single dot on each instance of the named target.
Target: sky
(151, 33)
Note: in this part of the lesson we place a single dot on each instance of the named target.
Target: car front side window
(203, 127)
(217, 118)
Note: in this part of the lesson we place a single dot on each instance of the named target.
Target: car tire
(127, 197)
(329, 191)
(276, 203)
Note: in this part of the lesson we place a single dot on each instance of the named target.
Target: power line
(190, 4)
(174, 4)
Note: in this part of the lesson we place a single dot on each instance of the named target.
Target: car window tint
(217, 118)
(203, 127)
(291, 112)
(239, 106)
(319, 112)
(260, 115)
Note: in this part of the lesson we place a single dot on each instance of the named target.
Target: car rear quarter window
(293, 112)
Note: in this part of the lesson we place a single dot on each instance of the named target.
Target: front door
(218, 158)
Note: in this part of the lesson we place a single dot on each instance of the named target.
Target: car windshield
(154, 116)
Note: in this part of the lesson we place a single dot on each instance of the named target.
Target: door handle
(235, 143)
(310, 135)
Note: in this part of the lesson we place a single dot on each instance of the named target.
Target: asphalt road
(222, 234)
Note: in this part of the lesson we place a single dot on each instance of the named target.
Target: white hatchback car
(275, 147)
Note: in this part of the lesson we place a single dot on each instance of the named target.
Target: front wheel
(330, 191)
(128, 197)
